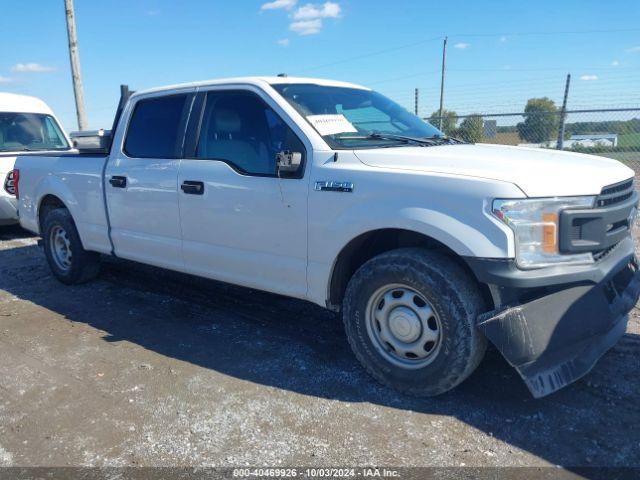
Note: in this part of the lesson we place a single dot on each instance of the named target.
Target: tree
(449, 120)
(541, 121)
(472, 129)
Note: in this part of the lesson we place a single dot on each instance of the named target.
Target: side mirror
(288, 162)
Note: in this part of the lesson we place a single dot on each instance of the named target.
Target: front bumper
(555, 333)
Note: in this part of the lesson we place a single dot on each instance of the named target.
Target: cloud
(306, 27)
(312, 12)
(31, 68)
(307, 20)
(462, 45)
(278, 4)
(588, 78)
(615, 63)
(5, 79)
(634, 49)
(283, 42)
(503, 39)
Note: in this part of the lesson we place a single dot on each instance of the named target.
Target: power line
(370, 54)
(545, 69)
(403, 77)
(521, 85)
(540, 33)
(440, 37)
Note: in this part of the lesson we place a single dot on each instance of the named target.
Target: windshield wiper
(389, 136)
(445, 139)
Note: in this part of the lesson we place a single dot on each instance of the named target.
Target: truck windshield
(352, 118)
(26, 132)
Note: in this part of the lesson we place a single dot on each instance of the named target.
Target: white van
(27, 124)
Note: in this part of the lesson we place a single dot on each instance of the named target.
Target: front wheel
(69, 261)
(410, 317)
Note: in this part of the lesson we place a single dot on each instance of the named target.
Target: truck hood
(537, 172)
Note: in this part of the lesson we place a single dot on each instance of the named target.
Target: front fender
(474, 235)
(452, 209)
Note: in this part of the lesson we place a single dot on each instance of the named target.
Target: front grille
(597, 230)
(616, 193)
(618, 187)
(601, 254)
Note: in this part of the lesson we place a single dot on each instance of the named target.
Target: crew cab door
(241, 223)
(141, 180)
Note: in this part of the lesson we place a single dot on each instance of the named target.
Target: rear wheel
(410, 317)
(68, 260)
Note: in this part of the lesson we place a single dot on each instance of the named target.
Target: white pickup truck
(27, 124)
(330, 192)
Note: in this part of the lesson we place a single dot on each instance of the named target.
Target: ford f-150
(333, 193)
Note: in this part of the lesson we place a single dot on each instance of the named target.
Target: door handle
(118, 182)
(191, 187)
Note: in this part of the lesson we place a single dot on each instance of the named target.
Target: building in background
(592, 140)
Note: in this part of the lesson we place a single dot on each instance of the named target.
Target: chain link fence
(613, 133)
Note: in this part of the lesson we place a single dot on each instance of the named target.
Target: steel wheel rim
(403, 326)
(60, 248)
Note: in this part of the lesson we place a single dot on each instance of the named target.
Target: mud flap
(556, 339)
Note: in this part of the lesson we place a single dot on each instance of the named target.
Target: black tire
(453, 296)
(83, 265)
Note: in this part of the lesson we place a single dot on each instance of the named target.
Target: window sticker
(331, 124)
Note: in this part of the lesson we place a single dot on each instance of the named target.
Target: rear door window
(156, 128)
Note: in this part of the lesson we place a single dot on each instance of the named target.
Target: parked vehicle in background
(330, 192)
(27, 124)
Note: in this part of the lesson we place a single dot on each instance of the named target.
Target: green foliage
(449, 121)
(621, 127)
(597, 149)
(472, 129)
(594, 150)
(541, 121)
(630, 140)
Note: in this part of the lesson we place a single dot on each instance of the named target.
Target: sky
(499, 54)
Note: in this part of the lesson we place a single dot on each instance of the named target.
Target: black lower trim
(556, 338)
(505, 273)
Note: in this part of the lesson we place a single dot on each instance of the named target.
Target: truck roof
(12, 102)
(257, 81)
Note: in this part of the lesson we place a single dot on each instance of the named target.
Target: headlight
(535, 224)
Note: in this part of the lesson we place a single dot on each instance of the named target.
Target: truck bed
(78, 179)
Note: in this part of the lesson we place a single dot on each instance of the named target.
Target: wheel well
(366, 246)
(48, 203)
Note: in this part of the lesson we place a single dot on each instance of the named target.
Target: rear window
(156, 128)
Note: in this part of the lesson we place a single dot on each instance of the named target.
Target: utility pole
(563, 114)
(75, 64)
(444, 58)
(415, 102)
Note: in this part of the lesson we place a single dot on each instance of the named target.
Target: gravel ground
(149, 367)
